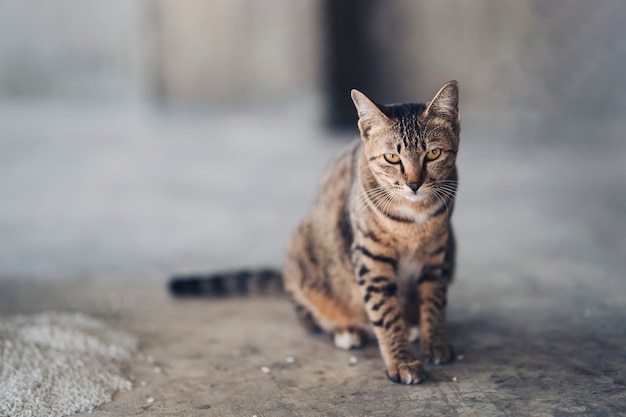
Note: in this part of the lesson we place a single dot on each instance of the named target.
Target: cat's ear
(446, 102)
(370, 114)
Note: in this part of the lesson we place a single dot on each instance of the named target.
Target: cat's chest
(409, 268)
(415, 247)
(415, 216)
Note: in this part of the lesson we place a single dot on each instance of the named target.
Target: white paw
(347, 340)
(414, 334)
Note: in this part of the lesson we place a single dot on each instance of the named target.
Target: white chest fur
(409, 269)
(409, 212)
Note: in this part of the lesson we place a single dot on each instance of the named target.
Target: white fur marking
(409, 378)
(408, 268)
(413, 214)
(414, 333)
(414, 198)
(347, 340)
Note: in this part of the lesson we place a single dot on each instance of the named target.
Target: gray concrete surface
(100, 205)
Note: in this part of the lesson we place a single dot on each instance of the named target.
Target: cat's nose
(414, 185)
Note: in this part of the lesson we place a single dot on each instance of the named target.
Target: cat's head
(411, 148)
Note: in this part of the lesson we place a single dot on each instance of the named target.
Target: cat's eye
(433, 154)
(392, 158)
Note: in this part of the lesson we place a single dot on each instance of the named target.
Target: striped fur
(376, 251)
(238, 283)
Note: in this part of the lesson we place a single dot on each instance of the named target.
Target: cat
(376, 252)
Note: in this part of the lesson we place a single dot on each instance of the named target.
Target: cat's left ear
(370, 114)
(446, 102)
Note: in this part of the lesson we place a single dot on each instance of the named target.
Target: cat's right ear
(370, 115)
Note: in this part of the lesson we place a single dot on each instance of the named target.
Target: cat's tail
(228, 284)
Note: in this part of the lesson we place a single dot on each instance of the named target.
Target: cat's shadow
(510, 345)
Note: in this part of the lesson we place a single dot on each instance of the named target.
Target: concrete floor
(101, 205)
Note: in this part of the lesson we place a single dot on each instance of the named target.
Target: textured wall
(580, 57)
(563, 55)
(419, 45)
(178, 50)
(225, 50)
(566, 55)
(72, 48)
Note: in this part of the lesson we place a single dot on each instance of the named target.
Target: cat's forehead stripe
(409, 130)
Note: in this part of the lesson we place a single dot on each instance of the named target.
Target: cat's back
(317, 272)
(325, 234)
(337, 182)
(328, 220)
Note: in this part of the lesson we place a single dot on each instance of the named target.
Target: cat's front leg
(432, 287)
(434, 345)
(375, 268)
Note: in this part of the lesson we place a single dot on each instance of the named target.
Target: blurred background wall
(189, 51)
(93, 50)
(529, 52)
(137, 132)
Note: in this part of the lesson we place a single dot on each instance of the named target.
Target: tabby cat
(376, 251)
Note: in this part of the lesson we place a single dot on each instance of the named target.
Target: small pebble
(290, 359)
(460, 357)
(353, 360)
(157, 369)
(150, 400)
(265, 369)
(454, 378)
(143, 383)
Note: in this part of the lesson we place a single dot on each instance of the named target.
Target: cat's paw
(406, 372)
(438, 351)
(414, 334)
(347, 339)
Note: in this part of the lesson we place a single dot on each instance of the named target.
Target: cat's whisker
(446, 182)
(454, 192)
(442, 193)
(446, 188)
(386, 201)
(375, 203)
(370, 193)
(363, 205)
(447, 185)
(393, 197)
(443, 200)
(369, 197)
(456, 182)
(373, 199)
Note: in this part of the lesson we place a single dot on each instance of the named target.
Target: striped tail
(236, 283)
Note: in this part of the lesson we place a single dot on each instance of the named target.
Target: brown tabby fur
(376, 251)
